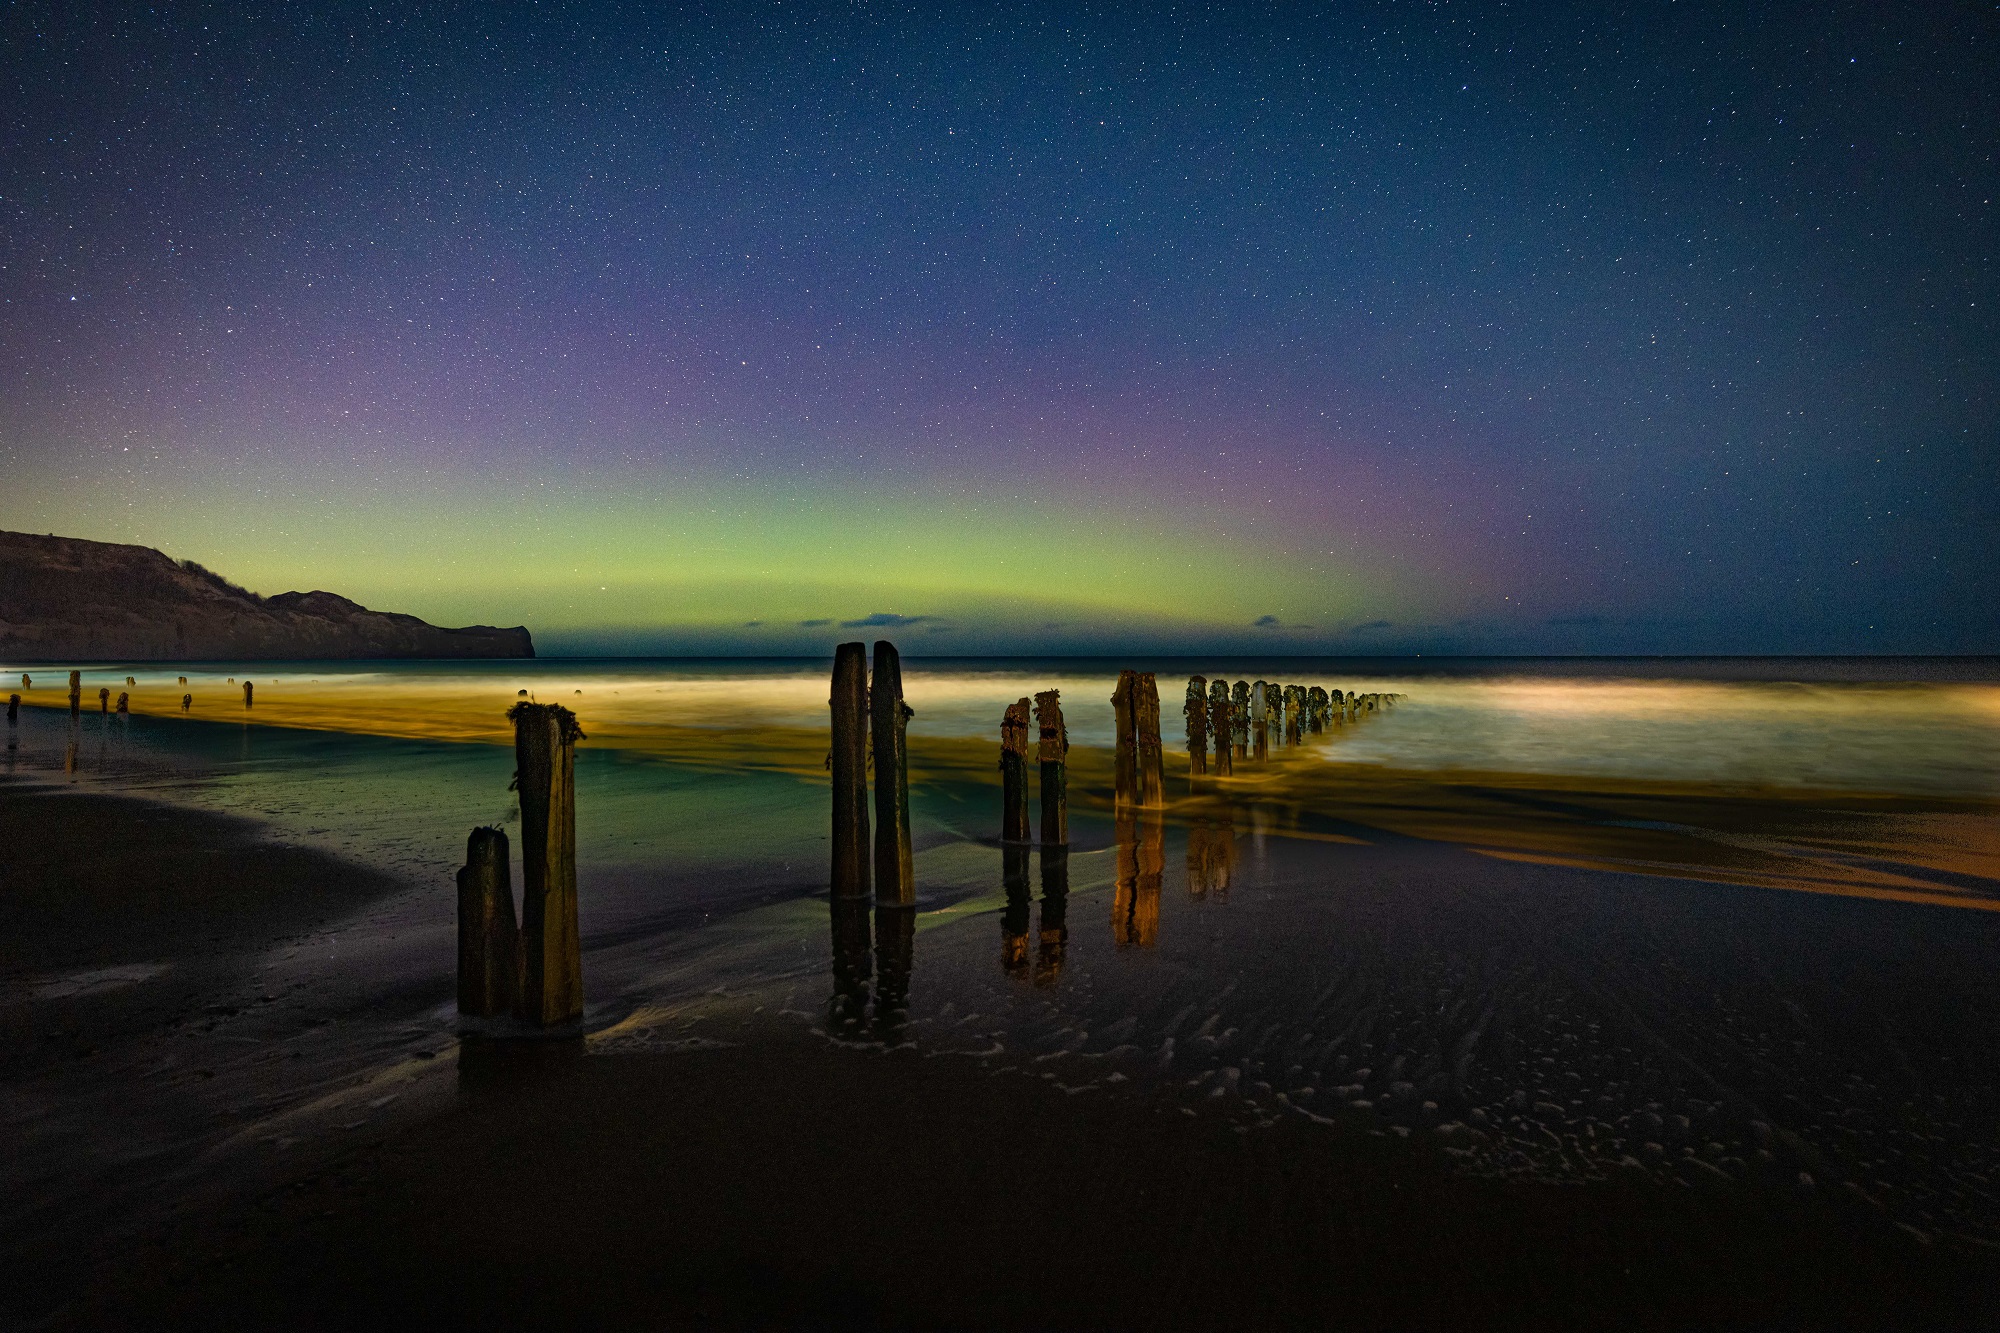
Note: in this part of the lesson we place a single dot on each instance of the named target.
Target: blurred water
(1914, 726)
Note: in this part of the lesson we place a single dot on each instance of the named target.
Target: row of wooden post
(104, 696)
(1241, 719)
(535, 970)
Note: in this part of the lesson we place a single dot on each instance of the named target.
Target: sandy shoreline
(742, 1169)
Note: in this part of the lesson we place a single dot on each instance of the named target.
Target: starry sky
(748, 328)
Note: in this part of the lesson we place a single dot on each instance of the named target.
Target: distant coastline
(65, 599)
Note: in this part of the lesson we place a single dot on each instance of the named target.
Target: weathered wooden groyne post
(489, 942)
(545, 737)
(1125, 755)
(1053, 754)
(75, 693)
(1221, 719)
(103, 700)
(1014, 773)
(1150, 751)
(1196, 709)
(1239, 708)
(187, 702)
(895, 875)
(247, 688)
(124, 703)
(1319, 703)
(1260, 720)
(13, 709)
(849, 762)
(27, 681)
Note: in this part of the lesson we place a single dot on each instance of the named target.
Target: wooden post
(26, 682)
(103, 700)
(545, 737)
(1014, 773)
(13, 709)
(1222, 719)
(1125, 758)
(895, 875)
(187, 702)
(129, 682)
(1053, 752)
(124, 703)
(1239, 706)
(1151, 752)
(1196, 709)
(849, 762)
(75, 693)
(246, 694)
(1260, 722)
(489, 944)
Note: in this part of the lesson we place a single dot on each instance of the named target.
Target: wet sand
(735, 1167)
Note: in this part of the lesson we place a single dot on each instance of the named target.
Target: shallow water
(1893, 726)
(1357, 931)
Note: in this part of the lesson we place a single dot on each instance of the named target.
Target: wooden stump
(1125, 755)
(1151, 752)
(489, 944)
(124, 703)
(1053, 752)
(1196, 709)
(75, 693)
(1260, 720)
(103, 700)
(545, 737)
(246, 693)
(13, 708)
(895, 875)
(1222, 718)
(187, 702)
(1239, 707)
(849, 762)
(1014, 773)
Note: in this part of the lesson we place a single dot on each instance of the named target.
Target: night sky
(1262, 328)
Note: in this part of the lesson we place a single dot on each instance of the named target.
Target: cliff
(65, 600)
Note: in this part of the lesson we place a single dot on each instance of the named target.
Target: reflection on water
(1135, 902)
(1014, 919)
(1054, 938)
(1211, 855)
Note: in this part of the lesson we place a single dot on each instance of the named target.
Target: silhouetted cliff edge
(63, 599)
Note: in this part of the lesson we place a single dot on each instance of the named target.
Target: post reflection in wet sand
(1211, 855)
(1014, 920)
(895, 947)
(1055, 915)
(1135, 902)
(848, 1009)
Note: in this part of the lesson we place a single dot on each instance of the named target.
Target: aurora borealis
(1024, 328)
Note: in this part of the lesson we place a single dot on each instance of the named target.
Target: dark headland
(65, 599)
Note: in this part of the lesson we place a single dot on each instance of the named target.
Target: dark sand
(778, 1180)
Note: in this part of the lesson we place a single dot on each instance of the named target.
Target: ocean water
(1404, 925)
